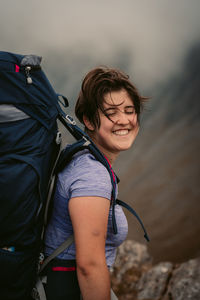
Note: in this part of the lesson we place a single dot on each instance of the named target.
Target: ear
(88, 124)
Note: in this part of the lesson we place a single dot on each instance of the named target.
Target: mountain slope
(160, 177)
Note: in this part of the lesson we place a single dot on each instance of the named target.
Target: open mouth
(121, 132)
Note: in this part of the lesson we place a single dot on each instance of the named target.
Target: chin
(124, 147)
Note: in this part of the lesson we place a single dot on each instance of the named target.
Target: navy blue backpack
(29, 149)
(30, 159)
(30, 144)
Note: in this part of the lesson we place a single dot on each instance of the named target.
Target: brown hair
(96, 84)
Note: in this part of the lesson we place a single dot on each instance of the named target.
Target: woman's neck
(111, 156)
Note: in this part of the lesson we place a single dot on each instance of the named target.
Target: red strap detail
(63, 269)
(16, 68)
(113, 175)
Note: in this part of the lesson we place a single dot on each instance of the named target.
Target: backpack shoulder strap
(100, 157)
(68, 152)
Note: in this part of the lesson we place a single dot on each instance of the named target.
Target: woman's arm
(89, 217)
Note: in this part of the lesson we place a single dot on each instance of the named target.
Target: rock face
(153, 283)
(185, 281)
(135, 277)
(132, 260)
(160, 174)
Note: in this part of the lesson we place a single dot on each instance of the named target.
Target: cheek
(134, 120)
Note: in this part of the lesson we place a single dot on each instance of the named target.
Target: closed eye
(110, 111)
(129, 110)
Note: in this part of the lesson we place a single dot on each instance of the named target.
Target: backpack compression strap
(39, 287)
(39, 284)
(58, 250)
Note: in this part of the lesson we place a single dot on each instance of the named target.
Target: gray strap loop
(59, 250)
(112, 295)
(40, 290)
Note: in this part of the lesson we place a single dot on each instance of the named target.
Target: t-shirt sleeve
(90, 178)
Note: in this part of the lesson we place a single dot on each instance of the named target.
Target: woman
(109, 107)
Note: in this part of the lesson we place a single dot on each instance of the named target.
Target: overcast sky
(148, 37)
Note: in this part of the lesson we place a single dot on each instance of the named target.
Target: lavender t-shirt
(83, 176)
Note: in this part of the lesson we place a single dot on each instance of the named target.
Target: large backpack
(31, 158)
(29, 148)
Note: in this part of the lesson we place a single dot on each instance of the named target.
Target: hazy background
(157, 42)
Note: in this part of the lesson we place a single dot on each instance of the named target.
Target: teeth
(121, 132)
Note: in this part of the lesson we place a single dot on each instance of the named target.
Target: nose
(122, 118)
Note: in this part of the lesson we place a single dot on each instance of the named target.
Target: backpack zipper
(28, 77)
(28, 69)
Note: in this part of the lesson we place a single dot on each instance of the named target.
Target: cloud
(148, 38)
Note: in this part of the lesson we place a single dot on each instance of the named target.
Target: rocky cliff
(135, 276)
(160, 175)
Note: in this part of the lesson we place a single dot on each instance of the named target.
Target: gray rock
(133, 276)
(185, 282)
(132, 259)
(131, 254)
(152, 284)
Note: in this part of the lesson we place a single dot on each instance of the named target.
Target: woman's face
(119, 126)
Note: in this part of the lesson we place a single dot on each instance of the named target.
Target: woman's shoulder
(85, 160)
(85, 176)
(82, 163)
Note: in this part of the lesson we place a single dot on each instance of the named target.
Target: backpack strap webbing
(100, 157)
(58, 250)
(68, 152)
(39, 284)
(122, 203)
(39, 287)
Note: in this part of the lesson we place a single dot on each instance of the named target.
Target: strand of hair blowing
(95, 85)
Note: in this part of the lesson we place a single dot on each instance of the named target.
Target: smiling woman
(119, 125)
(109, 106)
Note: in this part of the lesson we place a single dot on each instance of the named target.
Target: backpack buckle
(70, 120)
(58, 138)
(87, 142)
